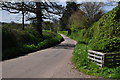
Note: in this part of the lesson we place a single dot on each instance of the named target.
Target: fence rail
(104, 59)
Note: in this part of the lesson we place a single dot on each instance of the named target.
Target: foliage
(42, 10)
(64, 32)
(77, 21)
(105, 34)
(47, 25)
(93, 11)
(107, 45)
(82, 63)
(14, 37)
(17, 43)
(71, 7)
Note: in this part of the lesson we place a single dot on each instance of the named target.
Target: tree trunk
(69, 31)
(119, 3)
(23, 21)
(39, 18)
(23, 25)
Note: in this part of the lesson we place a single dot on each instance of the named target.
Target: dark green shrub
(8, 38)
(14, 37)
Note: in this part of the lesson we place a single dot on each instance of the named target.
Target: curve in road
(53, 62)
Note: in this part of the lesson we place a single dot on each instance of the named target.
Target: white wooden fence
(104, 59)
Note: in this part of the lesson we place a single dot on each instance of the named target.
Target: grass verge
(83, 64)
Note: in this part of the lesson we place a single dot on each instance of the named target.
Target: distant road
(53, 62)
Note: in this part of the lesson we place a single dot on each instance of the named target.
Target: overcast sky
(8, 17)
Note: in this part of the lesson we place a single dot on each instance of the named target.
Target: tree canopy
(71, 7)
(42, 10)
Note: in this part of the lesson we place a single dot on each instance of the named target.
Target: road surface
(53, 62)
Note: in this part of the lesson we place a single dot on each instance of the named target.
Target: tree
(78, 21)
(55, 24)
(71, 7)
(41, 9)
(23, 25)
(93, 11)
(47, 25)
(119, 3)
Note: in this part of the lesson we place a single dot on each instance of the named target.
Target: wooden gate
(104, 59)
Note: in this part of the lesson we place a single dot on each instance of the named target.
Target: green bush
(8, 38)
(105, 33)
(107, 45)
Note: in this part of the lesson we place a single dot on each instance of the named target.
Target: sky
(8, 17)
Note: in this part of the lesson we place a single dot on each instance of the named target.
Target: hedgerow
(18, 42)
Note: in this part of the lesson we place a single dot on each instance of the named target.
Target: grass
(82, 63)
(26, 41)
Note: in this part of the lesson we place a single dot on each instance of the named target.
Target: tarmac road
(54, 62)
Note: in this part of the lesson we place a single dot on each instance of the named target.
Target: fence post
(114, 60)
(104, 60)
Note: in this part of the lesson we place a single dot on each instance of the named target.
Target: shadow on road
(64, 46)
